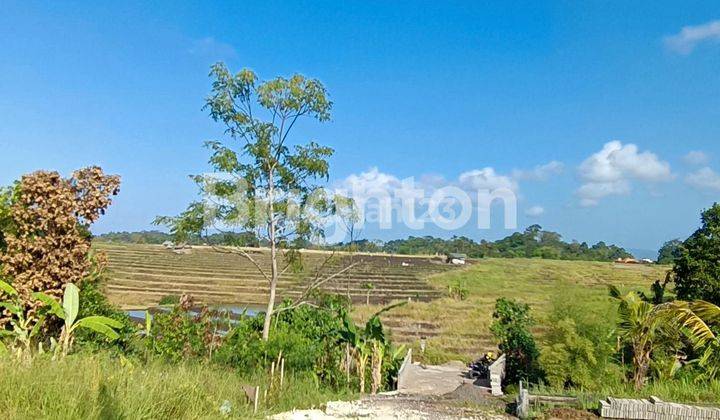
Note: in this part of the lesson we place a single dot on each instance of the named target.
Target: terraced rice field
(140, 275)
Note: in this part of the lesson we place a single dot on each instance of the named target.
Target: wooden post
(282, 371)
(523, 403)
(257, 399)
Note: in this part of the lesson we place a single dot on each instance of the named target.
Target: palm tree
(645, 327)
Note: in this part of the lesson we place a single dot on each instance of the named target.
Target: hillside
(460, 328)
(140, 275)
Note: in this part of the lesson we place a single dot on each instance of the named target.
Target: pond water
(233, 310)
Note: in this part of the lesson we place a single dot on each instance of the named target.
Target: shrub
(94, 302)
(181, 333)
(569, 360)
(458, 290)
(580, 344)
(169, 300)
(511, 327)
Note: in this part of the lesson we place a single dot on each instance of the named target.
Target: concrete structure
(654, 408)
(497, 374)
(417, 379)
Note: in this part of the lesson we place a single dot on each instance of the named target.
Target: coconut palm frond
(706, 310)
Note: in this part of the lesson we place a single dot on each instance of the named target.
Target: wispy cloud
(211, 48)
(685, 41)
(534, 211)
(704, 179)
(696, 157)
(539, 172)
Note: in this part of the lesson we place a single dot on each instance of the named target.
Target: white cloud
(540, 172)
(685, 41)
(590, 193)
(704, 179)
(534, 211)
(212, 48)
(696, 157)
(486, 179)
(370, 183)
(609, 171)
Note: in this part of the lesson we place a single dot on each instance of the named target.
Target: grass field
(98, 386)
(460, 328)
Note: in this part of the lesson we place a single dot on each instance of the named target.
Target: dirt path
(418, 379)
(397, 407)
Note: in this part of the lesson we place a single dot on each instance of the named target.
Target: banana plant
(24, 328)
(68, 312)
(368, 345)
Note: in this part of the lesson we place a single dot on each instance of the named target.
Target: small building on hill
(456, 258)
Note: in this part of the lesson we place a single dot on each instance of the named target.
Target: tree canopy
(697, 267)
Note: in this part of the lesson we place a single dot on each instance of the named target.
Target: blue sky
(589, 109)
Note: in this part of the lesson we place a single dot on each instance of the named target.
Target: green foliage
(181, 334)
(6, 222)
(68, 312)
(169, 300)
(580, 343)
(458, 290)
(511, 323)
(24, 329)
(532, 243)
(274, 176)
(94, 302)
(308, 338)
(263, 184)
(669, 251)
(155, 237)
(569, 360)
(697, 268)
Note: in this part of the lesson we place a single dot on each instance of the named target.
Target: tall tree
(48, 245)
(697, 268)
(264, 180)
(669, 251)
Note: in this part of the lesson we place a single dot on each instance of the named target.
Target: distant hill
(643, 253)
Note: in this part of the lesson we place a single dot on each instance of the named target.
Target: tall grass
(682, 390)
(101, 387)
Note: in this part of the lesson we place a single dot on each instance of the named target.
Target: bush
(569, 360)
(511, 327)
(181, 334)
(458, 290)
(93, 302)
(169, 300)
(308, 337)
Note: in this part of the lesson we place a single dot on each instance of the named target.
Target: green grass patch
(101, 387)
(463, 325)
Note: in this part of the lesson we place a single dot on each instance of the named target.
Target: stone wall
(654, 408)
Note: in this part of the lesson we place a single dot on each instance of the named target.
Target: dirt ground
(396, 407)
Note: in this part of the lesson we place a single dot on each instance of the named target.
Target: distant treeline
(155, 237)
(532, 243)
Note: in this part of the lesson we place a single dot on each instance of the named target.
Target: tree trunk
(641, 360)
(361, 367)
(377, 361)
(273, 259)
